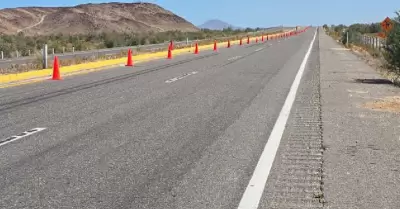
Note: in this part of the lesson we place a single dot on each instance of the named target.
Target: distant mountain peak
(215, 24)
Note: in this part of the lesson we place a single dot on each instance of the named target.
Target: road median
(13, 79)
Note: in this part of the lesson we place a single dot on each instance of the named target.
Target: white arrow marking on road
(20, 136)
(255, 188)
(181, 77)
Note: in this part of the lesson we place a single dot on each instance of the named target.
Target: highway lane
(155, 136)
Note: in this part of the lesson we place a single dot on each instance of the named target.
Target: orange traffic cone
(129, 62)
(241, 42)
(229, 44)
(215, 45)
(56, 69)
(262, 38)
(196, 49)
(256, 39)
(169, 53)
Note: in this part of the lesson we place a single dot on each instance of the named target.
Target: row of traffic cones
(56, 65)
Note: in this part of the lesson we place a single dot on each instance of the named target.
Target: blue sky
(255, 13)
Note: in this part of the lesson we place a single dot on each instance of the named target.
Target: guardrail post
(73, 49)
(17, 53)
(45, 56)
(53, 51)
(29, 52)
(63, 50)
(2, 55)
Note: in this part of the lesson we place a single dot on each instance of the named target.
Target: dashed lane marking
(181, 77)
(20, 136)
(234, 58)
(259, 49)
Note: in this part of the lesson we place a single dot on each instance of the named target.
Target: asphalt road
(181, 133)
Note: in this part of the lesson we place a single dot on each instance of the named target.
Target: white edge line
(253, 193)
(27, 133)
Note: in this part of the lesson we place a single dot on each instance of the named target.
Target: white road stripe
(181, 77)
(234, 58)
(20, 136)
(259, 49)
(255, 188)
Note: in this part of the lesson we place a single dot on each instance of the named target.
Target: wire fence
(369, 41)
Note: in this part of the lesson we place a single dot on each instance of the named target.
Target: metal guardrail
(7, 63)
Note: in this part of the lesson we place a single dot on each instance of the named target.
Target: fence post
(378, 42)
(370, 41)
(373, 42)
(45, 56)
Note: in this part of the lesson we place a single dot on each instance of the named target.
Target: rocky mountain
(216, 25)
(87, 18)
